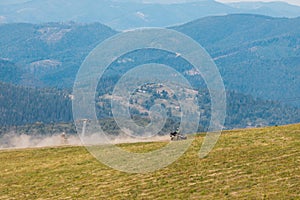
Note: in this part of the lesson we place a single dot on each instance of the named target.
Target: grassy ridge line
(252, 163)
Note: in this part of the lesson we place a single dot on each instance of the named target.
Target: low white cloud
(2, 19)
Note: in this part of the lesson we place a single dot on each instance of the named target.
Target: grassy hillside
(252, 164)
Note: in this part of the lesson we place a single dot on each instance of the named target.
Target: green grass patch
(245, 164)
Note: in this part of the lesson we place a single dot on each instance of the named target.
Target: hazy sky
(296, 2)
(6, 2)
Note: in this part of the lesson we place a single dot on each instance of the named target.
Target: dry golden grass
(245, 164)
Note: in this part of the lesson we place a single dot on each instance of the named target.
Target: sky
(295, 2)
(7, 2)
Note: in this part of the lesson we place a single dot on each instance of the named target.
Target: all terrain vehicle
(175, 136)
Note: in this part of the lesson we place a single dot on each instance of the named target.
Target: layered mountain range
(120, 14)
(43, 44)
(255, 54)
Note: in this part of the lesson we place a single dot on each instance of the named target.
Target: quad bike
(175, 136)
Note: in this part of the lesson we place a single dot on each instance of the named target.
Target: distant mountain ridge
(122, 15)
(47, 53)
(256, 55)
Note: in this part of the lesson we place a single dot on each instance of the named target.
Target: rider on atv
(174, 134)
